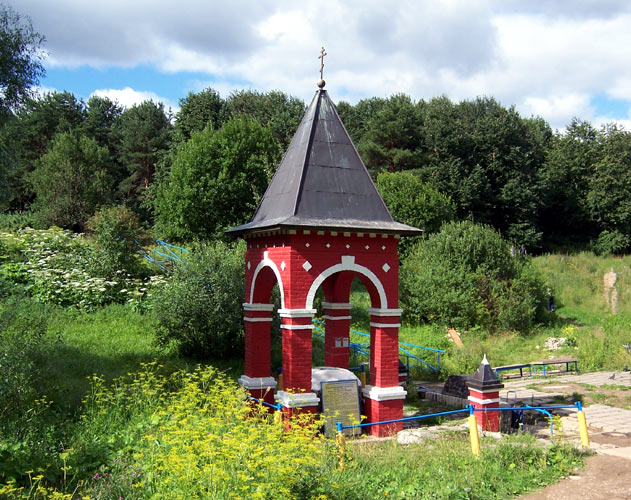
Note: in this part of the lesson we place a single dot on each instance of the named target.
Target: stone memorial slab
(340, 403)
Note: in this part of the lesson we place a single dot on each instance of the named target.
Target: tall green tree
(487, 158)
(414, 202)
(393, 137)
(21, 59)
(198, 111)
(71, 181)
(608, 198)
(216, 180)
(101, 117)
(357, 118)
(145, 132)
(282, 113)
(565, 178)
(29, 134)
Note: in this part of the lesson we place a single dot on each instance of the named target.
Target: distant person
(550, 301)
(512, 250)
(522, 250)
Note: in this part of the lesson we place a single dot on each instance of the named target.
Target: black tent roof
(322, 183)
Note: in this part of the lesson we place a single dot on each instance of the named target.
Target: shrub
(416, 203)
(611, 242)
(51, 265)
(465, 276)
(191, 435)
(115, 231)
(200, 308)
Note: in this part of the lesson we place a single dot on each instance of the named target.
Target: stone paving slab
(595, 378)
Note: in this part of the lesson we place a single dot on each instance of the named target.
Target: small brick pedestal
(484, 392)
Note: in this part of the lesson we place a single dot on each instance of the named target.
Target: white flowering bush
(52, 268)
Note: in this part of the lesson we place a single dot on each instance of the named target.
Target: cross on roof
(321, 57)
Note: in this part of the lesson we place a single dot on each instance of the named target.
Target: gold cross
(321, 57)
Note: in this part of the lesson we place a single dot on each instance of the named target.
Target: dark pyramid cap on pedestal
(484, 378)
(322, 183)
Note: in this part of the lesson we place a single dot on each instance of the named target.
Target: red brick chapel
(320, 224)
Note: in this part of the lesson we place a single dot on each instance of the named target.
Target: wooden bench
(559, 361)
(519, 367)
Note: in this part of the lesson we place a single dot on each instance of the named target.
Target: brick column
(383, 398)
(336, 333)
(484, 392)
(297, 340)
(257, 378)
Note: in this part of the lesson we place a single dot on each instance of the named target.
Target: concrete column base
(384, 403)
(260, 387)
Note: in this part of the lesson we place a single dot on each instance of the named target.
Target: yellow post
(582, 427)
(340, 443)
(280, 381)
(278, 417)
(362, 377)
(473, 434)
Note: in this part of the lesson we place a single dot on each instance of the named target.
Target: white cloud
(547, 58)
(128, 97)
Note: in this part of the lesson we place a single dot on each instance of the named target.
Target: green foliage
(611, 243)
(15, 221)
(20, 59)
(393, 137)
(115, 229)
(29, 135)
(216, 180)
(145, 132)
(200, 308)
(198, 111)
(71, 181)
(610, 183)
(52, 266)
(415, 203)
(274, 109)
(565, 176)
(23, 324)
(465, 276)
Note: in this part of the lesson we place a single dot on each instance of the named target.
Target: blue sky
(555, 59)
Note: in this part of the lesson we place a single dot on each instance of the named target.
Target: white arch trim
(347, 264)
(267, 262)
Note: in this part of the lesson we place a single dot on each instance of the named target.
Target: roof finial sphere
(321, 83)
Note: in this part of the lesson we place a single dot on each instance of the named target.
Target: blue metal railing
(277, 407)
(358, 348)
(469, 409)
(162, 255)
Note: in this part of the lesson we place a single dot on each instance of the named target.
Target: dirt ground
(604, 478)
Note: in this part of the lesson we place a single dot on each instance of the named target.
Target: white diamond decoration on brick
(307, 265)
(282, 266)
(367, 247)
(347, 246)
(383, 247)
(385, 267)
(307, 245)
(249, 265)
(328, 245)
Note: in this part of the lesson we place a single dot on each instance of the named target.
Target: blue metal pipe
(406, 419)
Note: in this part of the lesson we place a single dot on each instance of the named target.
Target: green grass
(445, 469)
(111, 342)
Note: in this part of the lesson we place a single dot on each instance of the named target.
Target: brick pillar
(336, 333)
(297, 340)
(383, 398)
(257, 378)
(484, 392)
